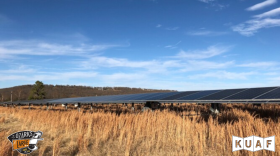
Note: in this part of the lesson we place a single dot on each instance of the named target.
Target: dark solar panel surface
(147, 96)
(158, 97)
(250, 93)
(222, 94)
(180, 94)
(198, 95)
(275, 94)
(134, 96)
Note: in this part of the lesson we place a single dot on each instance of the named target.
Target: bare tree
(19, 90)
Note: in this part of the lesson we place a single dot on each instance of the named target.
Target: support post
(19, 106)
(65, 106)
(91, 107)
(79, 107)
(29, 105)
(41, 105)
(196, 109)
(47, 106)
(132, 106)
(171, 106)
(215, 108)
(125, 105)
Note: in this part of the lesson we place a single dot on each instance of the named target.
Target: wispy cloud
(249, 28)
(48, 76)
(224, 75)
(207, 33)
(172, 28)
(9, 49)
(158, 26)
(173, 46)
(270, 13)
(203, 54)
(19, 69)
(259, 64)
(206, 1)
(261, 5)
(215, 4)
(116, 62)
(195, 65)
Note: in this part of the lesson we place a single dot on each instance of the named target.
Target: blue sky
(161, 44)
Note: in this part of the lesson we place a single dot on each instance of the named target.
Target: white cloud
(173, 46)
(249, 28)
(181, 63)
(224, 75)
(270, 13)
(206, 1)
(48, 76)
(207, 33)
(261, 5)
(122, 77)
(116, 62)
(8, 49)
(203, 54)
(159, 25)
(259, 64)
(20, 69)
(275, 80)
(150, 66)
(194, 65)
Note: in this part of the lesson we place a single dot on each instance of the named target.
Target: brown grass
(149, 133)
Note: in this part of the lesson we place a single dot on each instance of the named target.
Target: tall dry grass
(149, 133)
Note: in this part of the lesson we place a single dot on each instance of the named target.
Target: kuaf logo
(25, 141)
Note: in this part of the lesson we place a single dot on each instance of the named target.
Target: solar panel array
(245, 95)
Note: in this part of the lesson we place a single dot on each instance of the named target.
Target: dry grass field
(107, 131)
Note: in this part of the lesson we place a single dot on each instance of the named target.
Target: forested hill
(67, 91)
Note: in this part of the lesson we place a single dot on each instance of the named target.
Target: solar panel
(147, 96)
(198, 95)
(133, 96)
(180, 94)
(275, 94)
(250, 93)
(222, 94)
(158, 97)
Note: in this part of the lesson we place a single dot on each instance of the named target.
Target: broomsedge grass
(148, 133)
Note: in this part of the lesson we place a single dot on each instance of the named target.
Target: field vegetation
(118, 131)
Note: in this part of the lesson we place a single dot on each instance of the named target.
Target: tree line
(45, 91)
